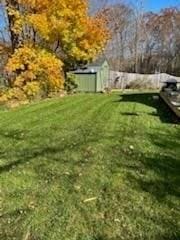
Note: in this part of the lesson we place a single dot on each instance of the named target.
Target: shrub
(33, 71)
(2, 84)
(70, 84)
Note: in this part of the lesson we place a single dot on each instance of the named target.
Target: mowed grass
(90, 167)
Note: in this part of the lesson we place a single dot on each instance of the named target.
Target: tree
(164, 40)
(51, 29)
(143, 42)
(118, 17)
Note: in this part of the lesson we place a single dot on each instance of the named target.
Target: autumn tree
(51, 29)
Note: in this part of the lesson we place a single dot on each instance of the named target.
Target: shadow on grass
(83, 136)
(156, 173)
(30, 154)
(8, 219)
(162, 111)
(165, 164)
(163, 237)
(129, 114)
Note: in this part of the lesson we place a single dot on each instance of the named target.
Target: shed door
(86, 82)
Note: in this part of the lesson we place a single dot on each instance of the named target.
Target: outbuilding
(94, 77)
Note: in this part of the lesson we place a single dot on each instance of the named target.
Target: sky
(156, 5)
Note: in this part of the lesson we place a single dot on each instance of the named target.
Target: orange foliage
(35, 69)
(81, 38)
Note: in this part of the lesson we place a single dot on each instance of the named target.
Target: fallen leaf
(90, 199)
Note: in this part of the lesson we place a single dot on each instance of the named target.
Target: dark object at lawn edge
(173, 109)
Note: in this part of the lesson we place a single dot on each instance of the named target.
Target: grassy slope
(58, 153)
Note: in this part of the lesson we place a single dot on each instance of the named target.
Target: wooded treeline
(143, 42)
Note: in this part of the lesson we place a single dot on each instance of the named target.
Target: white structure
(122, 80)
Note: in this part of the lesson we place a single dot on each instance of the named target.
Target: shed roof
(91, 68)
(98, 62)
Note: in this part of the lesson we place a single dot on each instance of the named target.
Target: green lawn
(90, 167)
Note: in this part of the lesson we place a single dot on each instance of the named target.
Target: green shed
(94, 77)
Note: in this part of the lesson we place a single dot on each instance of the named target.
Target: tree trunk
(14, 37)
